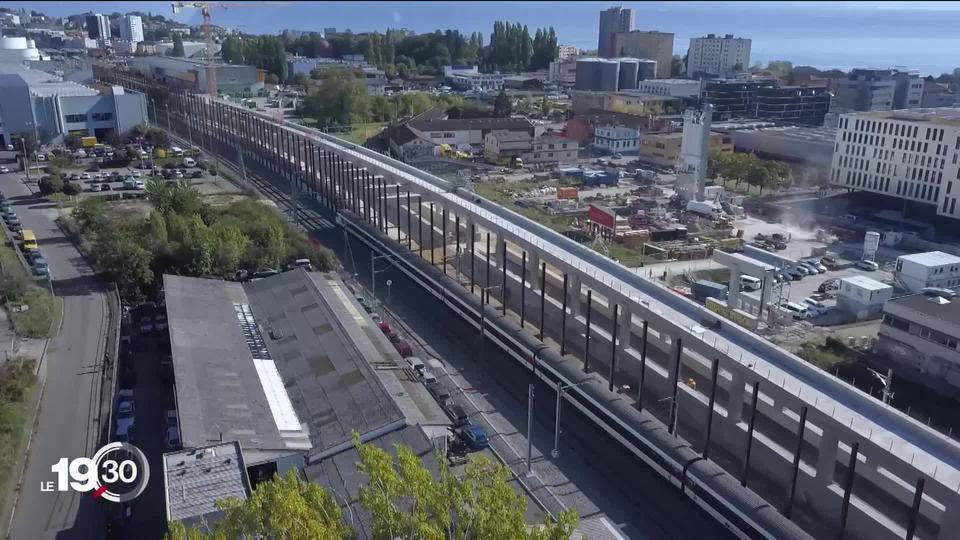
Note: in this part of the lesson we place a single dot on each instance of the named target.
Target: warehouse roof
(433, 121)
(195, 479)
(279, 364)
(937, 307)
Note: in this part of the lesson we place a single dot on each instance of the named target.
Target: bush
(72, 188)
(169, 165)
(51, 184)
(93, 168)
(202, 165)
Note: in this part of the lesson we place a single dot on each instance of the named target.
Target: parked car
(829, 285)
(264, 272)
(139, 185)
(403, 348)
(816, 306)
(14, 224)
(475, 437)
(32, 254)
(95, 188)
(196, 174)
(794, 275)
(428, 377)
(40, 267)
(128, 183)
(456, 413)
(85, 176)
(818, 265)
(869, 266)
(146, 324)
(385, 328)
(4, 170)
(104, 187)
(801, 269)
(160, 322)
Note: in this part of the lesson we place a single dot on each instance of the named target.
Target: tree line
(186, 236)
(405, 500)
(265, 52)
(747, 167)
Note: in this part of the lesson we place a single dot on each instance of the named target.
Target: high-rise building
(907, 154)
(98, 26)
(879, 90)
(131, 28)
(717, 56)
(612, 21)
(652, 45)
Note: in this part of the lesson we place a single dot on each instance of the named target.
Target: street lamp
(389, 283)
(556, 429)
(373, 273)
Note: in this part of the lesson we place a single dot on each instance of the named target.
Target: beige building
(653, 45)
(501, 146)
(663, 149)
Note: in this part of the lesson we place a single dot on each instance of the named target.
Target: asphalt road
(67, 422)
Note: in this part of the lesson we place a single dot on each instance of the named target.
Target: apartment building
(612, 21)
(717, 56)
(131, 28)
(650, 45)
(907, 154)
(98, 26)
(617, 139)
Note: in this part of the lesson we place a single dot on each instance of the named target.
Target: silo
(588, 74)
(609, 76)
(629, 68)
(647, 69)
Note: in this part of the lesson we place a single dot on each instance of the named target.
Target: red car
(385, 328)
(403, 348)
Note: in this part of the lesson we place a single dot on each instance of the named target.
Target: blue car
(40, 267)
(475, 437)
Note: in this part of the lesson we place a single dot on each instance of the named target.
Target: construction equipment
(207, 28)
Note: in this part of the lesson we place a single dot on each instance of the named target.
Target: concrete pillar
(827, 456)
(626, 326)
(498, 251)
(573, 293)
(735, 400)
(733, 296)
(533, 264)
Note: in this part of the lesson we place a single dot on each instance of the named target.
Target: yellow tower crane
(207, 28)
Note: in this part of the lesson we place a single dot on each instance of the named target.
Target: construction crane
(207, 28)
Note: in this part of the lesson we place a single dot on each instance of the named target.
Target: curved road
(67, 424)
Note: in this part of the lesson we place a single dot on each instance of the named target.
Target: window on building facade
(102, 117)
(74, 118)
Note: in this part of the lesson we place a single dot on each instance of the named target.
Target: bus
(29, 239)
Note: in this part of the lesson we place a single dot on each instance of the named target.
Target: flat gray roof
(931, 306)
(280, 364)
(195, 479)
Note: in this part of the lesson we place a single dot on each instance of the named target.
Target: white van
(189, 162)
(177, 151)
(417, 364)
(750, 283)
(799, 312)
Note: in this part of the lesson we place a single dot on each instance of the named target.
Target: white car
(85, 176)
(138, 184)
(129, 183)
(4, 170)
(818, 265)
(136, 174)
(869, 266)
(95, 188)
(815, 307)
(80, 154)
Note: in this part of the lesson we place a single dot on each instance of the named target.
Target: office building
(909, 154)
(681, 88)
(499, 146)
(191, 75)
(98, 26)
(612, 21)
(878, 90)
(566, 52)
(919, 337)
(663, 149)
(469, 78)
(937, 95)
(734, 98)
(131, 28)
(651, 45)
(617, 139)
(714, 56)
(44, 104)
(918, 271)
(806, 105)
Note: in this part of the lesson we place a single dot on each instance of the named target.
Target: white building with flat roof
(719, 56)
(932, 269)
(131, 28)
(862, 297)
(908, 154)
(682, 88)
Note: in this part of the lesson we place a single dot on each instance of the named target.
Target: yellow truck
(88, 142)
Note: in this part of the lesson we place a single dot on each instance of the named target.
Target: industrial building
(563, 71)
(598, 74)
(714, 56)
(612, 21)
(196, 478)
(435, 126)
(657, 46)
(663, 149)
(909, 154)
(918, 271)
(467, 78)
(862, 298)
(937, 95)
(191, 75)
(34, 101)
(283, 368)
(500, 146)
(681, 88)
(793, 144)
(919, 337)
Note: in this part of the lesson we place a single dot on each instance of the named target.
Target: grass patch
(629, 257)
(505, 194)
(360, 133)
(828, 356)
(18, 385)
(19, 289)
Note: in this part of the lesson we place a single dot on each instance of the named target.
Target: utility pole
(529, 430)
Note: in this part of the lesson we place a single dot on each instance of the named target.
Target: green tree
(124, 262)
(24, 140)
(759, 175)
(286, 507)
(502, 105)
(177, 46)
(341, 99)
(50, 184)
